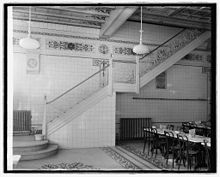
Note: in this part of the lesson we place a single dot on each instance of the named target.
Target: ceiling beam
(56, 22)
(77, 11)
(164, 20)
(116, 19)
(60, 16)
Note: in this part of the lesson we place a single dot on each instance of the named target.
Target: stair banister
(110, 79)
(44, 127)
(137, 75)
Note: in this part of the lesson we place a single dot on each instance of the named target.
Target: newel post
(110, 86)
(44, 127)
(137, 75)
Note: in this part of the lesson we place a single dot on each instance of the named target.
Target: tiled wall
(183, 82)
(56, 75)
(94, 128)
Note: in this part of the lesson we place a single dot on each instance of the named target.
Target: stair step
(50, 150)
(29, 146)
(21, 133)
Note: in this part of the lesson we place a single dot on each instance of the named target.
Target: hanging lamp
(28, 42)
(140, 48)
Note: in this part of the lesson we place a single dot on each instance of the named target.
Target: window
(161, 81)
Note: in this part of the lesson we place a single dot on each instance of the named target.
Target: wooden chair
(148, 138)
(207, 155)
(186, 152)
(159, 142)
(170, 127)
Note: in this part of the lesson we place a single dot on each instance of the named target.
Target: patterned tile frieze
(98, 62)
(63, 45)
(78, 37)
(123, 51)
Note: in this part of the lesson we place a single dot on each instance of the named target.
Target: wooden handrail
(163, 43)
(49, 102)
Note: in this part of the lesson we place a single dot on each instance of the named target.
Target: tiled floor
(94, 158)
(126, 156)
(136, 147)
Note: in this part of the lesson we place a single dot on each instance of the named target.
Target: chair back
(207, 155)
(170, 127)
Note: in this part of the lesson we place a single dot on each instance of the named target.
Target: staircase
(30, 149)
(78, 109)
(78, 99)
(170, 52)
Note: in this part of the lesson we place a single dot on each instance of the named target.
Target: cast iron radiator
(132, 128)
(21, 120)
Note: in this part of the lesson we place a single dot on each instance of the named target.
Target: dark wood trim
(170, 99)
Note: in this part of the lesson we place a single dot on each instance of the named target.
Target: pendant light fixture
(140, 48)
(28, 42)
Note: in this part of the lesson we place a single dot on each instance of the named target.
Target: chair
(158, 142)
(186, 152)
(207, 155)
(170, 127)
(147, 138)
(170, 147)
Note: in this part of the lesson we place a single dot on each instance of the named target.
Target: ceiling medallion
(103, 49)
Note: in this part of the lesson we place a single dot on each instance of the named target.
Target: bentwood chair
(186, 152)
(207, 155)
(148, 139)
(159, 142)
(170, 127)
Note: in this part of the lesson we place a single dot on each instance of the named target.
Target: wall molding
(170, 99)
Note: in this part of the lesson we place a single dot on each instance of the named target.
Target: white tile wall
(57, 74)
(94, 128)
(184, 82)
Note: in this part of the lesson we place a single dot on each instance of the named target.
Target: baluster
(44, 127)
(110, 78)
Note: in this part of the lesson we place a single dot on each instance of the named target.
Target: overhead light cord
(29, 23)
(141, 31)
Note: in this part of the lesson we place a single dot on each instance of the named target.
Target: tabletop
(194, 139)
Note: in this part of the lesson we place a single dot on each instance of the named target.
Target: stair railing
(66, 100)
(167, 49)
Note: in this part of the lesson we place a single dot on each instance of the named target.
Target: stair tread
(50, 148)
(29, 143)
(23, 137)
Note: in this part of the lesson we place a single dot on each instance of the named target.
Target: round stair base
(51, 150)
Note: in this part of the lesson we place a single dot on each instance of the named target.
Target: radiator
(21, 120)
(132, 128)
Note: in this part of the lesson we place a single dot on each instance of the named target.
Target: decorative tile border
(120, 159)
(123, 51)
(193, 57)
(63, 45)
(158, 163)
(67, 166)
(78, 37)
(98, 62)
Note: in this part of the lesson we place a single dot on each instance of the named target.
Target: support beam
(165, 20)
(116, 19)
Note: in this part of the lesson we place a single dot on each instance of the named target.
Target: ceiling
(109, 18)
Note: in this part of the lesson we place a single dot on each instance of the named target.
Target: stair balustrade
(60, 105)
(167, 49)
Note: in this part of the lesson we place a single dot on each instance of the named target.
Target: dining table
(197, 139)
(191, 138)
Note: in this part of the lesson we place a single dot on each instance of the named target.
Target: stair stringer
(77, 110)
(146, 78)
